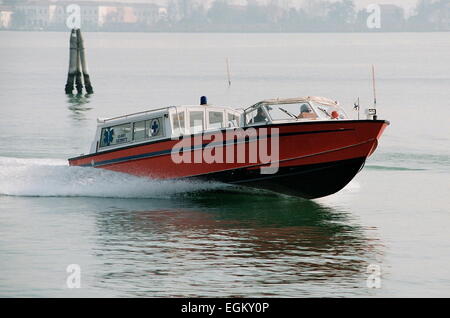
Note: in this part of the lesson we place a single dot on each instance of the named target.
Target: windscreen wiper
(285, 111)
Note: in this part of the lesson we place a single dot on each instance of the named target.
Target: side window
(116, 135)
(154, 127)
(178, 123)
(195, 121)
(233, 120)
(106, 137)
(146, 129)
(307, 112)
(139, 130)
(123, 133)
(327, 111)
(215, 119)
(256, 116)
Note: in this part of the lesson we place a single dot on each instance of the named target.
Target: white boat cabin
(174, 121)
(163, 123)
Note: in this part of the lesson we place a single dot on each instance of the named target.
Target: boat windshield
(326, 111)
(291, 111)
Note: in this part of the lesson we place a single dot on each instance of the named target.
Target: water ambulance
(306, 147)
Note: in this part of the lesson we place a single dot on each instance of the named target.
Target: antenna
(373, 112)
(374, 88)
(228, 71)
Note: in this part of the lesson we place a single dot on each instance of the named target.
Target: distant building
(40, 15)
(148, 14)
(5, 17)
(89, 15)
(35, 14)
(106, 14)
(162, 14)
(57, 16)
(109, 15)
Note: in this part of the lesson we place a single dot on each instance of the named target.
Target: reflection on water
(233, 245)
(78, 106)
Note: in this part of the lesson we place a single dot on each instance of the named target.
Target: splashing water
(54, 177)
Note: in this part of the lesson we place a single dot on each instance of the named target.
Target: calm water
(138, 237)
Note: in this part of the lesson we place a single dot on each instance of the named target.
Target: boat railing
(134, 114)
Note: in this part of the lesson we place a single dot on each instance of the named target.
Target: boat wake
(54, 178)
(396, 161)
(391, 168)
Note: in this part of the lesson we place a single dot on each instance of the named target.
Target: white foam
(54, 177)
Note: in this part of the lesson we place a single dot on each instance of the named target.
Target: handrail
(138, 113)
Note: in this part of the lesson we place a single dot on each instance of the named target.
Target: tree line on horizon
(313, 16)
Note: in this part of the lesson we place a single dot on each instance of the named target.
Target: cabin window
(139, 130)
(325, 111)
(257, 116)
(233, 120)
(292, 111)
(154, 127)
(196, 121)
(289, 111)
(215, 119)
(148, 129)
(306, 111)
(116, 135)
(178, 123)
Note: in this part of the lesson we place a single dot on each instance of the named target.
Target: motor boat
(305, 147)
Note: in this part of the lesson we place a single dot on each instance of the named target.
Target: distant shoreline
(235, 32)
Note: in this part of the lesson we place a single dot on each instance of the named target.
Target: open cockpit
(295, 109)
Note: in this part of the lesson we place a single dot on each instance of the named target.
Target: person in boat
(306, 112)
(260, 116)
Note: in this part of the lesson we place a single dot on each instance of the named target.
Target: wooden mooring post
(78, 70)
(72, 62)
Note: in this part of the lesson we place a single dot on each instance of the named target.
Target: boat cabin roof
(162, 111)
(293, 109)
(307, 99)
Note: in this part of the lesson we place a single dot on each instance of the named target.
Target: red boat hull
(315, 158)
